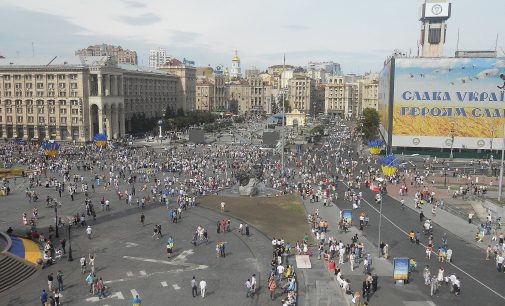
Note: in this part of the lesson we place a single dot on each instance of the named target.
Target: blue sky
(357, 34)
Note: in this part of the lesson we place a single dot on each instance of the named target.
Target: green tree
(369, 124)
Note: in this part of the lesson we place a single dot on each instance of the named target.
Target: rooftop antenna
(496, 44)
(33, 50)
(457, 42)
(51, 61)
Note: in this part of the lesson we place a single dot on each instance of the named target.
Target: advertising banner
(401, 268)
(441, 100)
(347, 215)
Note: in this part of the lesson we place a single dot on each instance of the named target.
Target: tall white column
(122, 122)
(115, 122)
(107, 84)
(99, 79)
(100, 121)
(108, 115)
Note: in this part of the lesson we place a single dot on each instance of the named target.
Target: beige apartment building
(77, 98)
(342, 96)
(186, 87)
(301, 91)
(123, 56)
(204, 94)
(369, 91)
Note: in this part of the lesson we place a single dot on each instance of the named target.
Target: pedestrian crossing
(118, 295)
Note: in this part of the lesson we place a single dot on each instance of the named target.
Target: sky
(358, 34)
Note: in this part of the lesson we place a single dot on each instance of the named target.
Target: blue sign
(347, 215)
(401, 268)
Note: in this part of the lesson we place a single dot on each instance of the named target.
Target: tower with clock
(434, 14)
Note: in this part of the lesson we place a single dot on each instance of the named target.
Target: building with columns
(76, 98)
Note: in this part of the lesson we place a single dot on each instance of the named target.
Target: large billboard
(385, 101)
(440, 100)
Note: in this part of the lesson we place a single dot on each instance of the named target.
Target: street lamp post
(380, 224)
(500, 187)
(70, 258)
(57, 234)
(445, 177)
(452, 141)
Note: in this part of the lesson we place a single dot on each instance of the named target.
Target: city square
(155, 153)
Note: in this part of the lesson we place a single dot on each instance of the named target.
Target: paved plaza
(132, 261)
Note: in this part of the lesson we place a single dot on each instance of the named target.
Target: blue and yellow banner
(101, 140)
(401, 268)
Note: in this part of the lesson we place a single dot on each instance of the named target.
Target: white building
(158, 57)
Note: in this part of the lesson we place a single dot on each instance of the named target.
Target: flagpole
(283, 117)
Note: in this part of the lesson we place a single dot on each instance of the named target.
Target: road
(481, 283)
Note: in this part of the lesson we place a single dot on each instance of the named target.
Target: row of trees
(368, 124)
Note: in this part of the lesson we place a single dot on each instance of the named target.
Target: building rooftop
(83, 61)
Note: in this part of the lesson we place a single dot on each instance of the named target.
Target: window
(41, 120)
(61, 76)
(52, 119)
(63, 120)
(9, 118)
(62, 94)
(73, 76)
(434, 36)
(75, 111)
(63, 102)
(18, 85)
(73, 93)
(74, 120)
(30, 119)
(7, 77)
(40, 110)
(28, 85)
(39, 76)
(7, 86)
(40, 102)
(40, 93)
(8, 94)
(50, 94)
(19, 110)
(61, 85)
(29, 110)
(50, 76)
(20, 119)
(17, 77)
(28, 77)
(52, 111)
(63, 111)
(73, 85)
(74, 102)
(40, 85)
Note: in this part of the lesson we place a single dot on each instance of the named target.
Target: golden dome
(235, 58)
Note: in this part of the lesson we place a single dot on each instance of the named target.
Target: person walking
(142, 218)
(63, 242)
(203, 286)
(248, 288)
(89, 231)
(43, 297)
(272, 285)
(137, 301)
(59, 278)
(83, 264)
(50, 280)
(194, 287)
(222, 207)
(253, 284)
